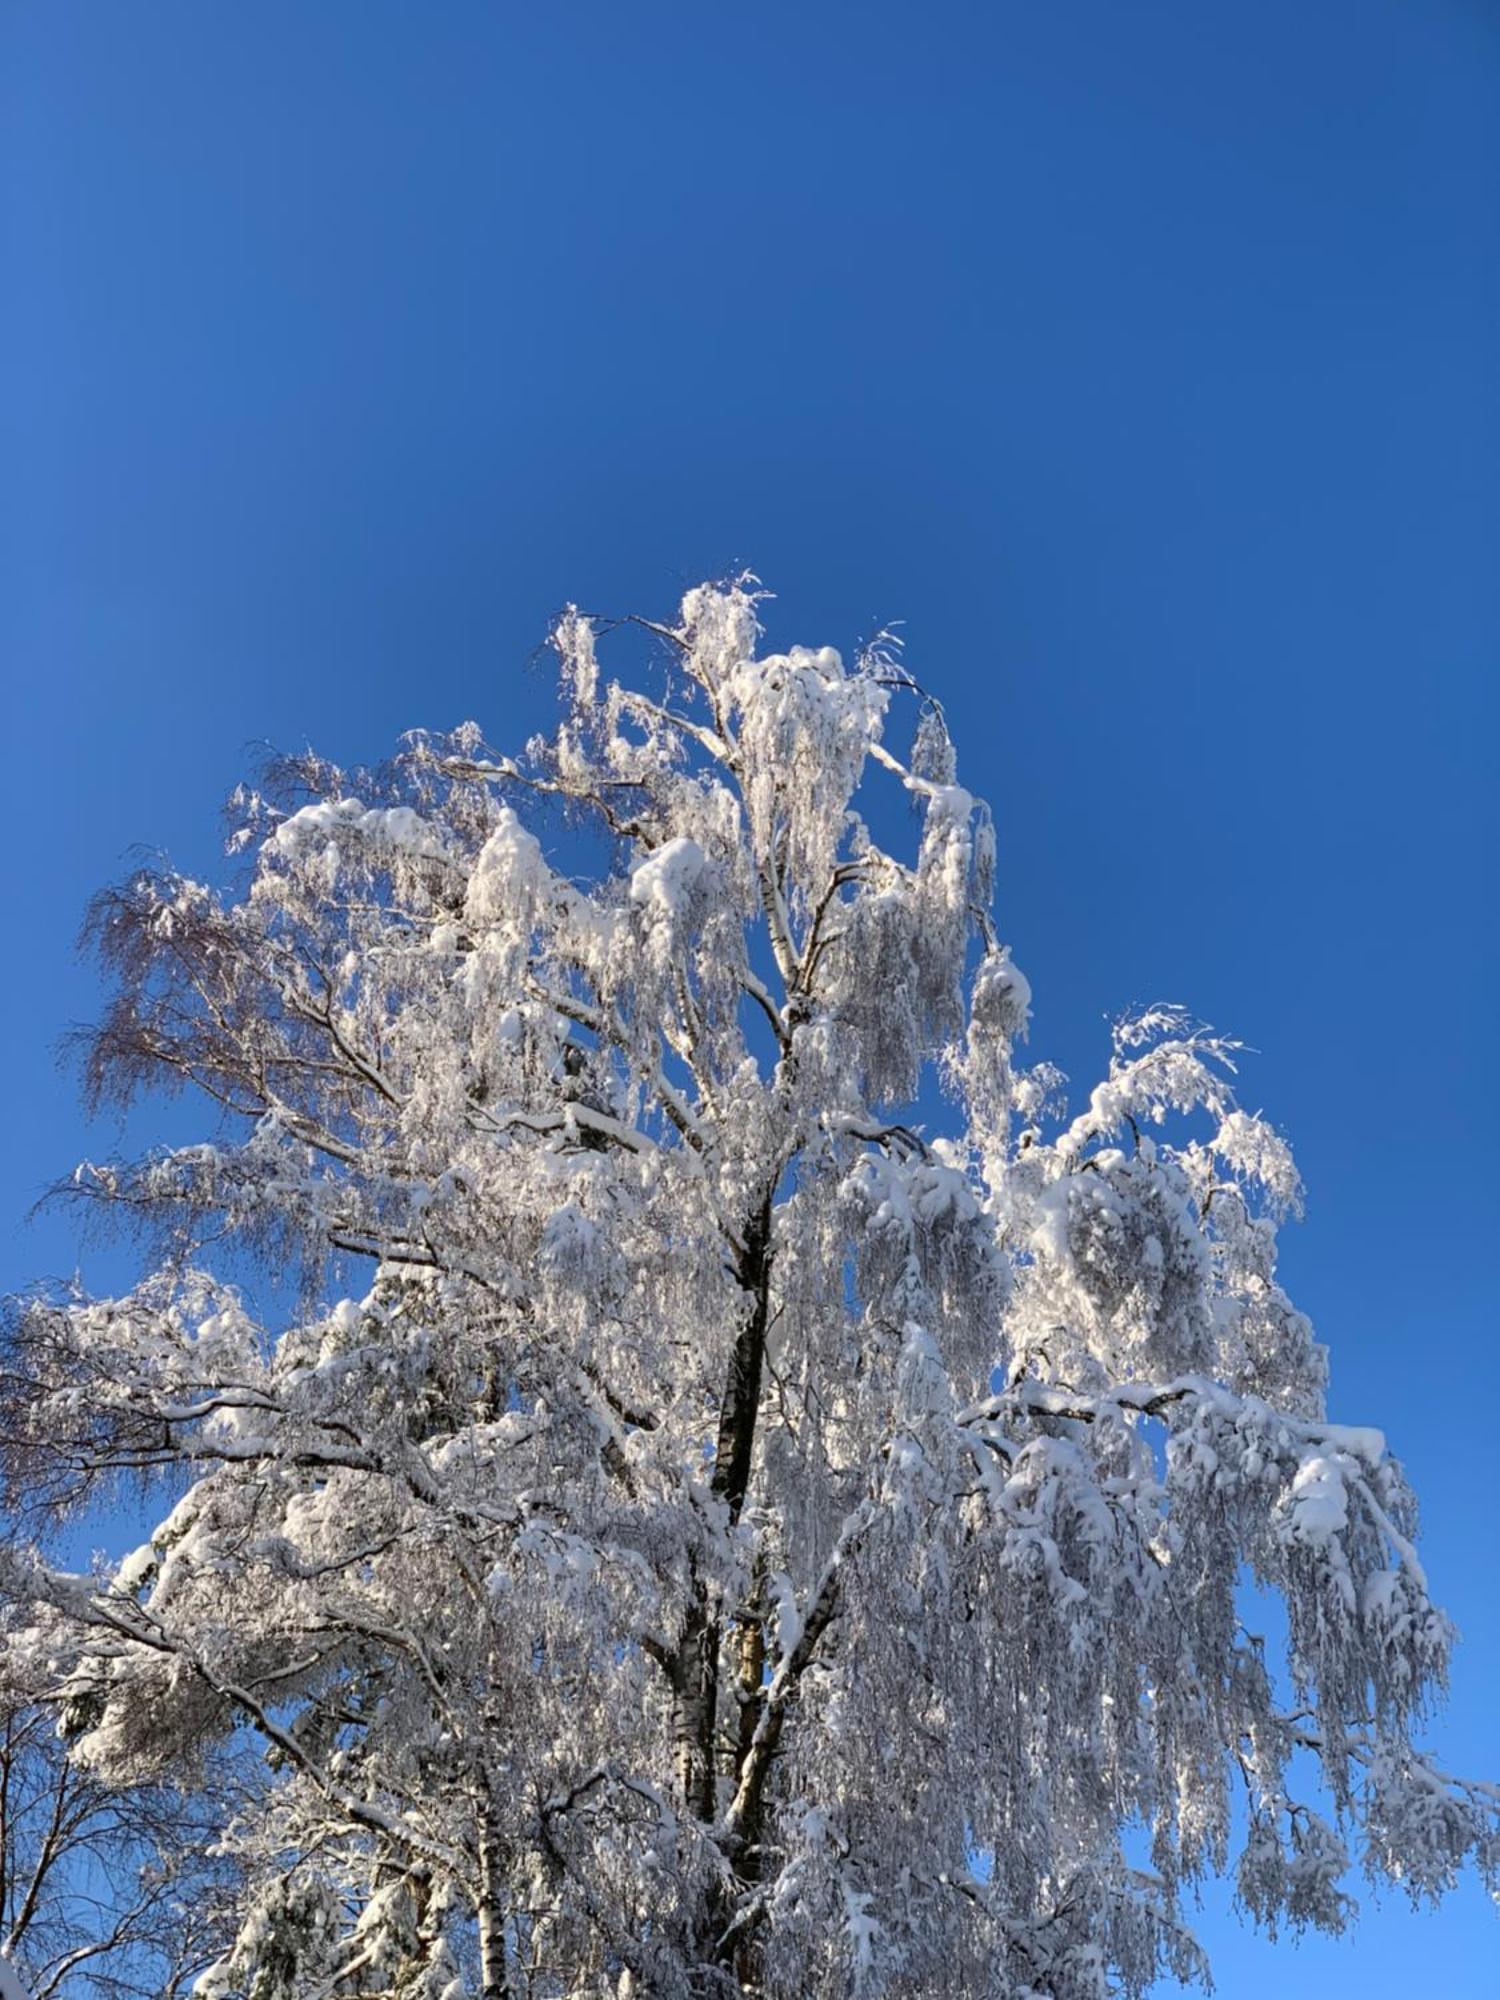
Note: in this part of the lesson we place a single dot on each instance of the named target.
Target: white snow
(665, 879)
(315, 827)
(1318, 1504)
(508, 872)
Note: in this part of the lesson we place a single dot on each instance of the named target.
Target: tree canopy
(692, 1528)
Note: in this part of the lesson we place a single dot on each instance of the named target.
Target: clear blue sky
(1141, 357)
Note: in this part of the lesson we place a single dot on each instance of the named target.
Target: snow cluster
(664, 881)
(314, 829)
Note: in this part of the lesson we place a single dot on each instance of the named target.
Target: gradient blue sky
(1141, 358)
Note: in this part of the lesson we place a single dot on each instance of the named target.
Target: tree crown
(729, 1541)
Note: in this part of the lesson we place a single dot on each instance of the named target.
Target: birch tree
(106, 1892)
(740, 1494)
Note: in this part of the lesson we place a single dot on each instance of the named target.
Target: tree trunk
(735, 1449)
(694, 1670)
(695, 1692)
(494, 1981)
(696, 1667)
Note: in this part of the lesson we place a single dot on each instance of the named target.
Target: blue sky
(1142, 359)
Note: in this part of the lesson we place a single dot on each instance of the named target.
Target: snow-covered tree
(107, 1892)
(730, 1540)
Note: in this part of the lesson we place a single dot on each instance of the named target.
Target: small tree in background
(729, 1541)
